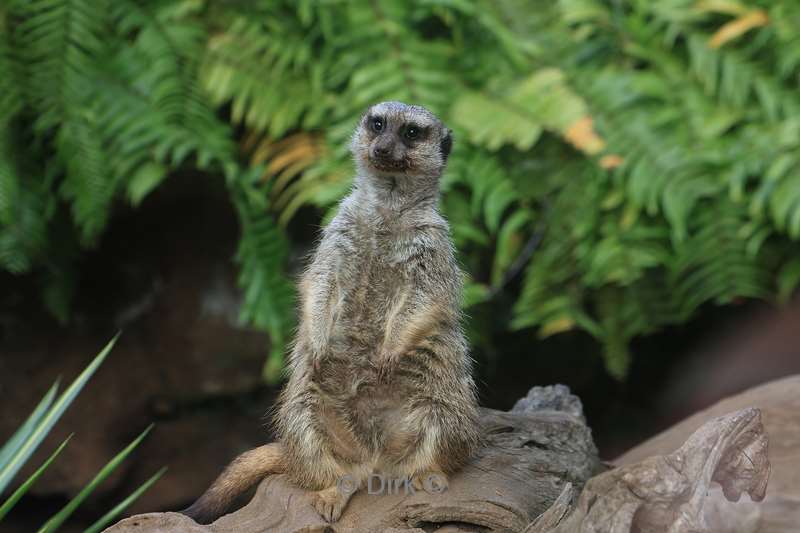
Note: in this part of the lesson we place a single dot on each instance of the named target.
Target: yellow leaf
(728, 7)
(251, 139)
(738, 27)
(613, 199)
(295, 148)
(611, 161)
(629, 216)
(285, 158)
(582, 135)
(557, 325)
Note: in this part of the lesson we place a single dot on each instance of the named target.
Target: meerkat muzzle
(388, 165)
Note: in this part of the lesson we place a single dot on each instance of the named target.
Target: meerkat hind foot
(433, 481)
(330, 502)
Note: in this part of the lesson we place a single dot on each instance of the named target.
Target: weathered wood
(668, 493)
(530, 476)
(529, 456)
(779, 402)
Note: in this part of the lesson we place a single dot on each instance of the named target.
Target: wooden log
(537, 473)
(779, 403)
(669, 493)
(531, 453)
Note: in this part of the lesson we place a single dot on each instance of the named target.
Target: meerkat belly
(378, 415)
(368, 302)
(373, 413)
(366, 305)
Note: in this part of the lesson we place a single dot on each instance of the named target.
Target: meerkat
(380, 379)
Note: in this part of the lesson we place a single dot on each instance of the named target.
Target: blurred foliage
(19, 448)
(622, 162)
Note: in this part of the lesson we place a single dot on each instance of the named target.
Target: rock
(553, 397)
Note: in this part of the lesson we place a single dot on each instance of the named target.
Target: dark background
(163, 275)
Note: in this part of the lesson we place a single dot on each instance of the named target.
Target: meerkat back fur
(379, 374)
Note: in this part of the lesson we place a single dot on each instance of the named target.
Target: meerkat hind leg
(432, 480)
(330, 502)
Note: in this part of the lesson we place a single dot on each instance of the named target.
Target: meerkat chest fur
(389, 249)
(396, 237)
(381, 274)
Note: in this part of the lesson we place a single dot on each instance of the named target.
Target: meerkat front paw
(315, 362)
(387, 363)
(330, 502)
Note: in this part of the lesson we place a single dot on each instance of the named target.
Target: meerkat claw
(330, 503)
(431, 481)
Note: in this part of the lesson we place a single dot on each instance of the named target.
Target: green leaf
(45, 424)
(147, 177)
(22, 489)
(788, 280)
(107, 518)
(60, 517)
(474, 293)
(21, 435)
(509, 243)
(491, 123)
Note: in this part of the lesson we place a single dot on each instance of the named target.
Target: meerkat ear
(446, 144)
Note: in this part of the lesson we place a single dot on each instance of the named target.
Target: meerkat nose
(382, 150)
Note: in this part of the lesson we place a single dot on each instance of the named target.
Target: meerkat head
(397, 140)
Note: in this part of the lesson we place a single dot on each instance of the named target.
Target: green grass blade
(14, 498)
(22, 434)
(106, 519)
(10, 469)
(60, 517)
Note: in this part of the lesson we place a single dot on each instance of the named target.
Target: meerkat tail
(243, 472)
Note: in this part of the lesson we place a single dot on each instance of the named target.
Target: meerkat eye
(411, 133)
(377, 124)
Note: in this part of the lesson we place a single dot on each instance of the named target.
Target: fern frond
(496, 209)
(648, 149)
(294, 166)
(26, 201)
(263, 68)
(10, 105)
(717, 263)
(165, 89)
(61, 42)
(11, 101)
(262, 254)
(543, 100)
(784, 17)
(89, 184)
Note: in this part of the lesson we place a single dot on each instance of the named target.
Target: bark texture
(669, 493)
(779, 402)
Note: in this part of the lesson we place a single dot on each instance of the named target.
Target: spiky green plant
(19, 448)
(632, 160)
